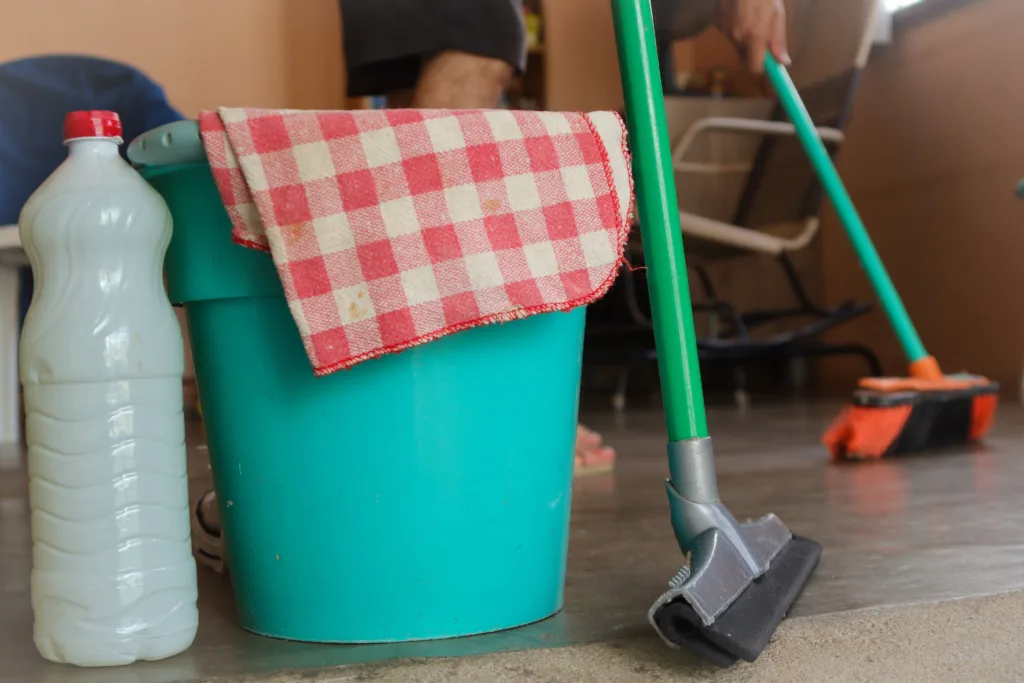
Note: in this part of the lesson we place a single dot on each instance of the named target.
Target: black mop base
(745, 628)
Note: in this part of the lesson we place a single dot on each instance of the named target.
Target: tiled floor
(916, 529)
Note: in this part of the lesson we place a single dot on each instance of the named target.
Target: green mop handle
(848, 216)
(659, 221)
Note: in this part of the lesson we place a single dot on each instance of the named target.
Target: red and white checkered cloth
(393, 228)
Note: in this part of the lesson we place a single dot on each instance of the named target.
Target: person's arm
(754, 26)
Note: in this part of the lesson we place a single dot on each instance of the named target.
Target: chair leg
(798, 287)
(705, 281)
(621, 384)
(625, 372)
(711, 304)
(718, 310)
(798, 374)
(619, 397)
(740, 395)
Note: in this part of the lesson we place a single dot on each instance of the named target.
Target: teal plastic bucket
(420, 495)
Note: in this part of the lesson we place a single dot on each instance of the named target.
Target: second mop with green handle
(889, 415)
(741, 579)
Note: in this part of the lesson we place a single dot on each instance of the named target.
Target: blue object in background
(36, 93)
(419, 495)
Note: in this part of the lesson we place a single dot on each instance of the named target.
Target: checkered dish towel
(393, 228)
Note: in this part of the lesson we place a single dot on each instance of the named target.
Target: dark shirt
(681, 19)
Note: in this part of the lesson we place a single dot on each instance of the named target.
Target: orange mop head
(928, 410)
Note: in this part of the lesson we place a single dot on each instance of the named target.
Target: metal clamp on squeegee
(725, 556)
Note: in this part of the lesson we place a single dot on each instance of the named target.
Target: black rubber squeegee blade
(745, 628)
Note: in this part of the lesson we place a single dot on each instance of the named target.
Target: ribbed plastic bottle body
(101, 361)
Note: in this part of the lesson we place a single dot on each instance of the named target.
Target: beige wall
(582, 70)
(934, 152)
(582, 65)
(206, 53)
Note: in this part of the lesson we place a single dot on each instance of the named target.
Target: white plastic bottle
(101, 362)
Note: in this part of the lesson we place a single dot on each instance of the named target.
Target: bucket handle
(177, 142)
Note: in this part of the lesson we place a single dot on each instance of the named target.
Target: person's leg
(592, 455)
(455, 79)
(460, 80)
(456, 53)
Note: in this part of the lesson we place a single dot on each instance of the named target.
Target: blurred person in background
(462, 54)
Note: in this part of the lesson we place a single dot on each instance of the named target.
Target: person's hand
(756, 27)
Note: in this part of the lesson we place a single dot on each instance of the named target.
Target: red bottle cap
(92, 124)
